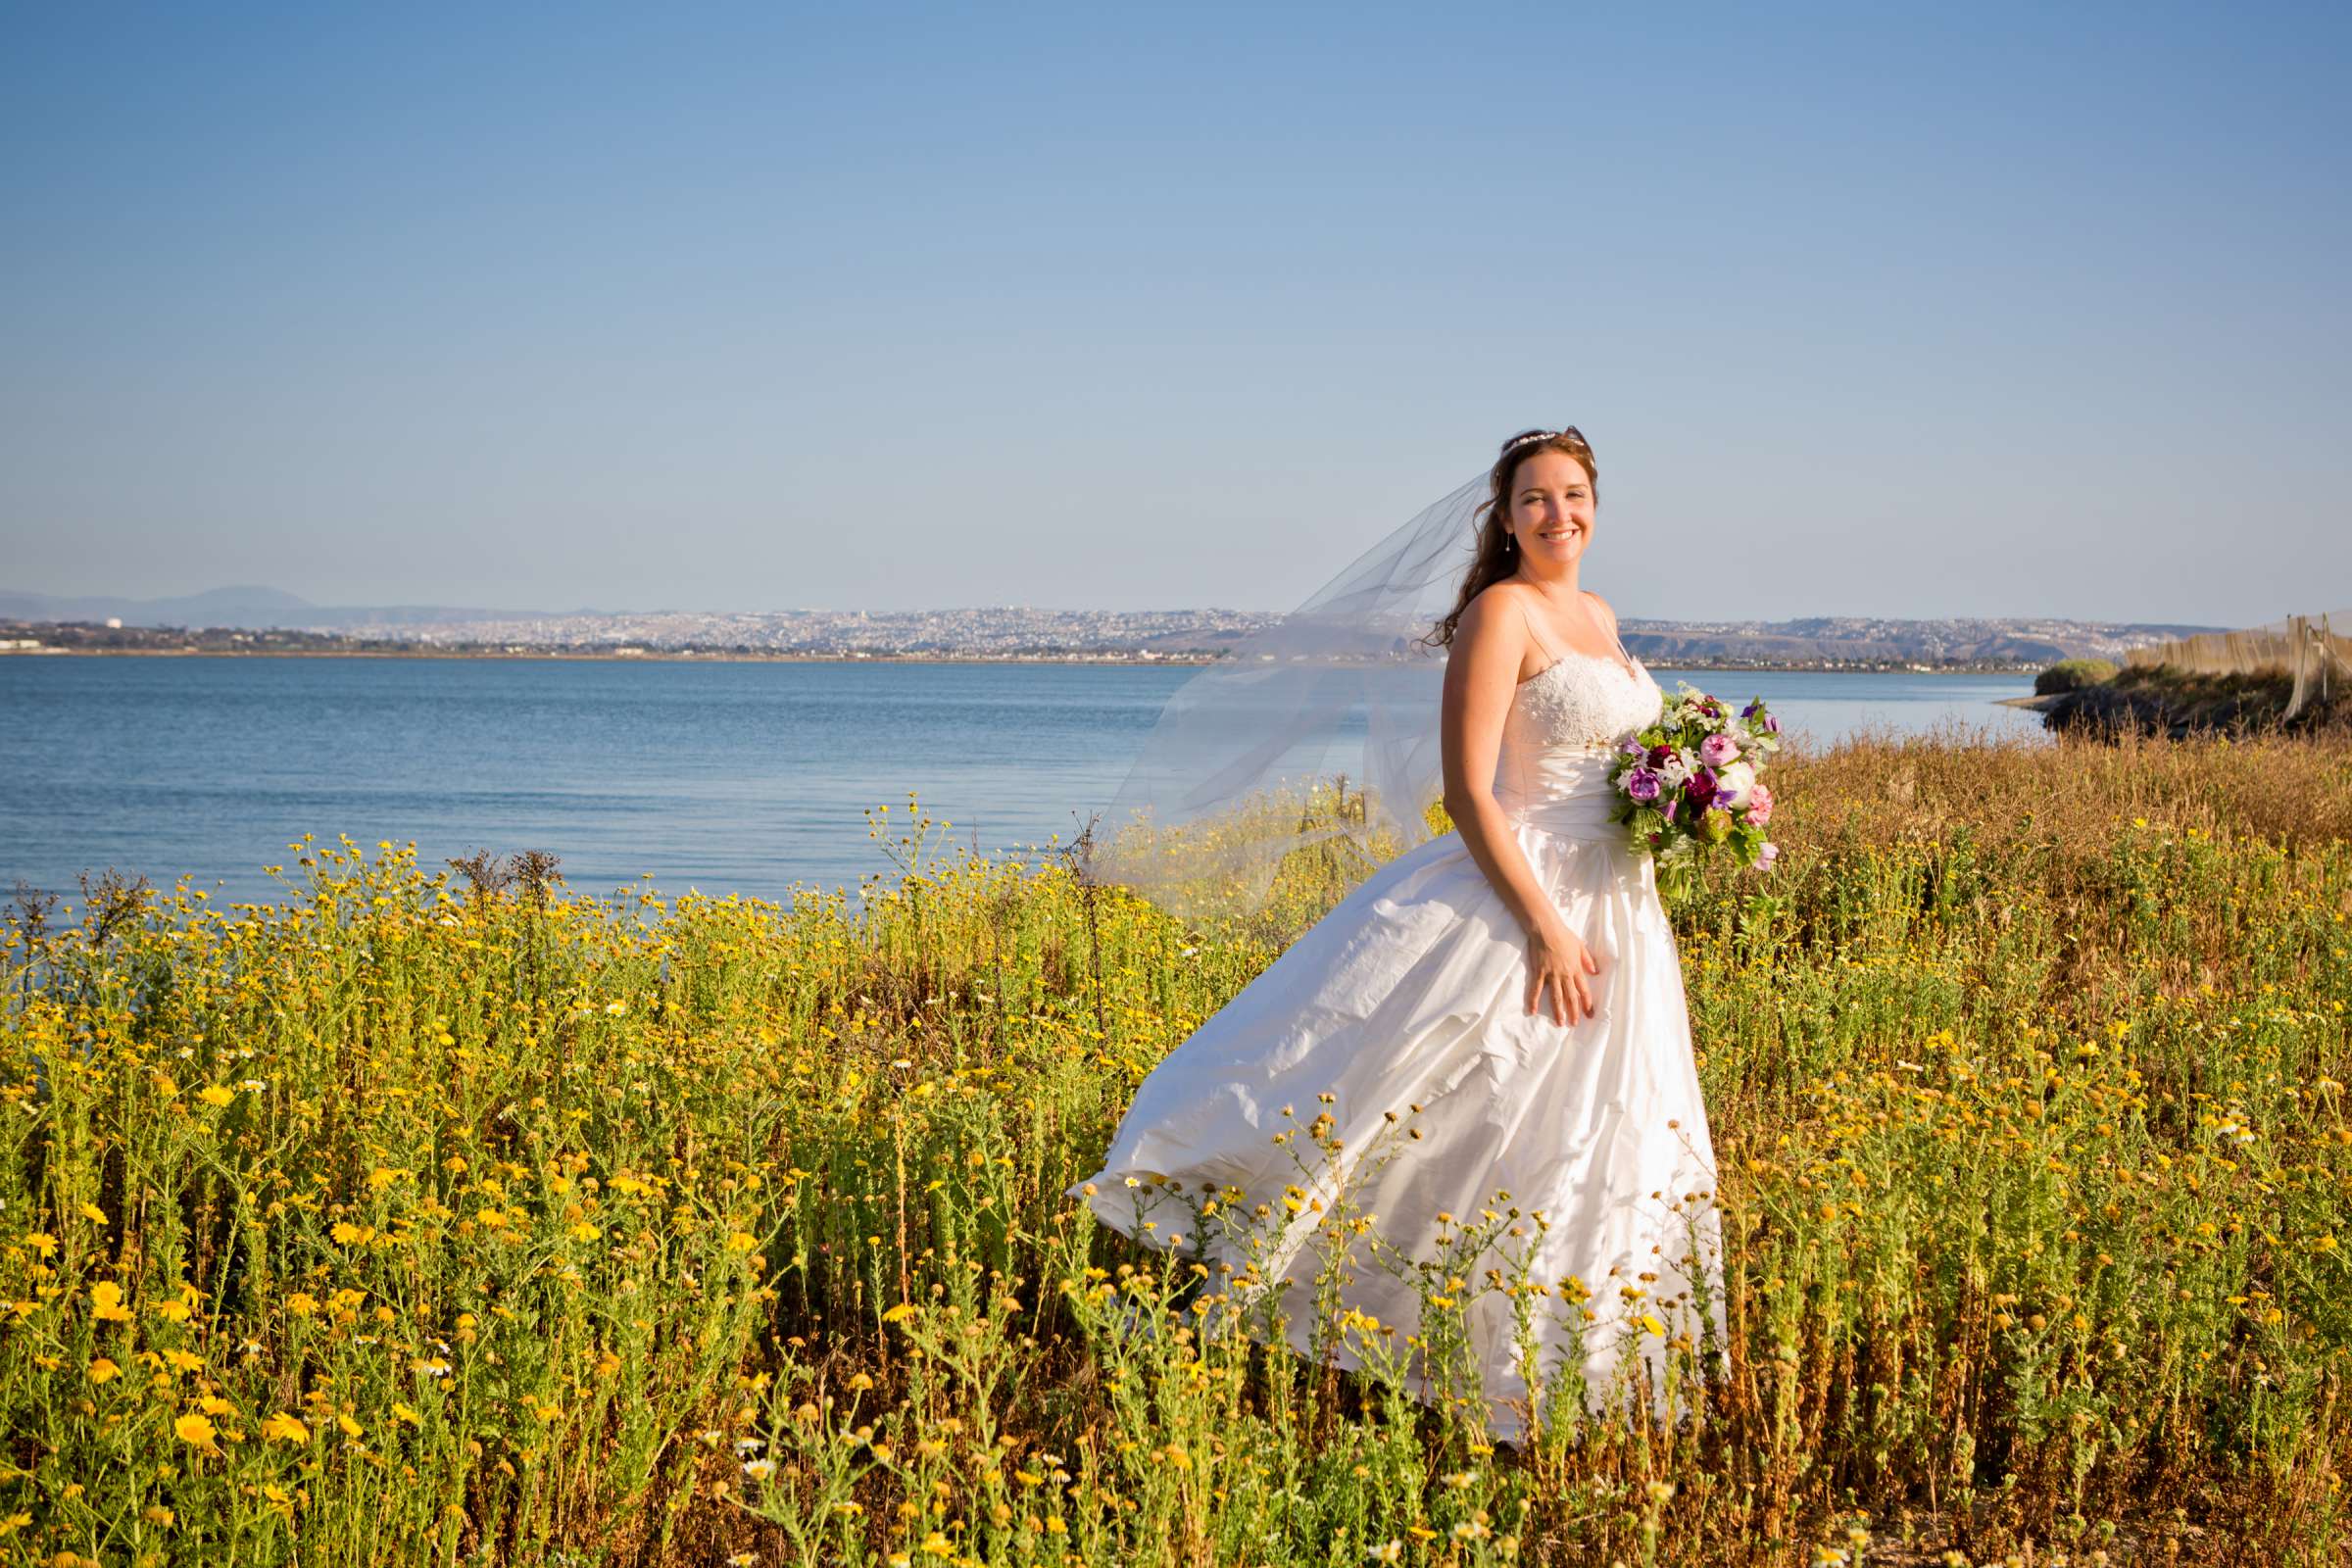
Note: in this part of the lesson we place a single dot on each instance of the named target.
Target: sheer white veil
(1247, 759)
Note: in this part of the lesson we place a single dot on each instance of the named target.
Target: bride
(1455, 1129)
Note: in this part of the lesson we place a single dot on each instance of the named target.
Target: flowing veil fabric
(1341, 688)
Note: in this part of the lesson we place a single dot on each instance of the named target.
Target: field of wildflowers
(442, 1216)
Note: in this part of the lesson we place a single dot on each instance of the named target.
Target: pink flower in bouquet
(1769, 853)
(1717, 749)
(1760, 806)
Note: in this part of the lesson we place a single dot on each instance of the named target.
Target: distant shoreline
(651, 656)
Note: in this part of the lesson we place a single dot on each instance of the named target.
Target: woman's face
(1551, 508)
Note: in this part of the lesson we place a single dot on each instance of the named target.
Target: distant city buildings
(1012, 633)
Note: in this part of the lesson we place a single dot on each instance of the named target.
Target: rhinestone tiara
(1545, 436)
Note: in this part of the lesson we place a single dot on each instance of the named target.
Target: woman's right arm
(1482, 676)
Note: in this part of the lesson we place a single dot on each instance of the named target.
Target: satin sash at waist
(1565, 792)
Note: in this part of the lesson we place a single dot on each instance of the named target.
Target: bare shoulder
(1491, 632)
(1607, 613)
(1485, 606)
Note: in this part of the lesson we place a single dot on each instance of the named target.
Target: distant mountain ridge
(1019, 631)
(249, 607)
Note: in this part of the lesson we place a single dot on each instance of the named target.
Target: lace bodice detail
(1581, 701)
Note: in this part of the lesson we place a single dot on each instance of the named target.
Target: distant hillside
(1018, 631)
(246, 606)
(189, 610)
(2034, 641)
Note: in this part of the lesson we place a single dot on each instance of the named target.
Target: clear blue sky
(1999, 310)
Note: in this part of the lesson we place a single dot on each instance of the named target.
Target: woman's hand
(1559, 962)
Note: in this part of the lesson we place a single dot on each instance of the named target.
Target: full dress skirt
(1380, 1094)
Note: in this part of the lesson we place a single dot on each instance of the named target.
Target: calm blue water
(724, 777)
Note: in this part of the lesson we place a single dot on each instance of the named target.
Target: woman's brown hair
(1495, 559)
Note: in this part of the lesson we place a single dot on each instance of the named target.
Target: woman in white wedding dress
(1487, 1036)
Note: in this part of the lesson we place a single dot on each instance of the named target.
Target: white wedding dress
(1411, 991)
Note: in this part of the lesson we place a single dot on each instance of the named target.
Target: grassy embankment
(411, 1221)
(2162, 701)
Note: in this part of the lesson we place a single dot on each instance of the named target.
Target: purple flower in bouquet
(1642, 785)
(1769, 853)
(1760, 806)
(1718, 749)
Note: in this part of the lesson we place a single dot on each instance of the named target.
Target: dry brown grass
(2022, 792)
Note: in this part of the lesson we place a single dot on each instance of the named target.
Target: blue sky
(1870, 308)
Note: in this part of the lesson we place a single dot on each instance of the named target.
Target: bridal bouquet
(1688, 784)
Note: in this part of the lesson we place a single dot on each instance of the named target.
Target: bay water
(749, 777)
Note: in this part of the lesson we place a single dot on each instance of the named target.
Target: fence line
(2313, 650)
